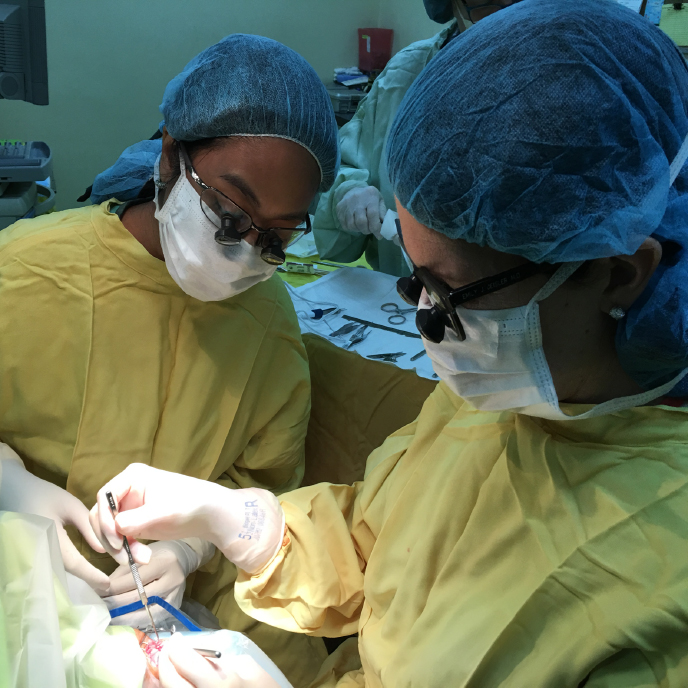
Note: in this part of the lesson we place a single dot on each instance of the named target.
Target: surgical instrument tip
(211, 654)
(132, 565)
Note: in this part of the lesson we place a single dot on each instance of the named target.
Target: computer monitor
(23, 54)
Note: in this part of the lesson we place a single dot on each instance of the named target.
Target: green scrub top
(363, 142)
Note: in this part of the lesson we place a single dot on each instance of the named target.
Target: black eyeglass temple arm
(489, 285)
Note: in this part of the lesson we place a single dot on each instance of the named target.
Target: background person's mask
(196, 262)
(501, 365)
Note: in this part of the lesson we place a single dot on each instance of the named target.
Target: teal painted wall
(109, 63)
(409, 21)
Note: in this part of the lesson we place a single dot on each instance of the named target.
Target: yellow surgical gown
(489, 550)
(105, 361)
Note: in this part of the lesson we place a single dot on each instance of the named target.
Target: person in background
(150, 327)
(530, 528)
(348, 218)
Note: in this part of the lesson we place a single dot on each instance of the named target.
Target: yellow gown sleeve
(275, 408)
(315, 583)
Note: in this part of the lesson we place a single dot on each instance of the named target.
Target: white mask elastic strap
(678, 162)
(556, 280)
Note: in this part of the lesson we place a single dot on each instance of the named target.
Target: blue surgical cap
(242, 86)
(546, 131)
(440, 11)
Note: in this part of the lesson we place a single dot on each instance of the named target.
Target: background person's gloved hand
(246, 525)
(362, 210)
(164, 575)
(24, 493)
(181, 667)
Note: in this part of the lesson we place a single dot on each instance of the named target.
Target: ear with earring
(617, 313)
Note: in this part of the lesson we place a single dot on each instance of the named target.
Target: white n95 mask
(501, 365)
(203, 268)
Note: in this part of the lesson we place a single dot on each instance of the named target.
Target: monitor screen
(23, 54)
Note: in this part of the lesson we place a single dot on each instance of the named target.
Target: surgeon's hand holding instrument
(132, 566)
(181, 666)
(164, 576)
(23, 492)
(247, 525)
(362, 210)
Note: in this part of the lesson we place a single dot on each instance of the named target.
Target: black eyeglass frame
(264, 233)
(445, 299)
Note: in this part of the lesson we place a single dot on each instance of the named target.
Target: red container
(374, 49)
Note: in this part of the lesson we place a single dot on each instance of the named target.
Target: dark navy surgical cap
(439, 10)
(242, 86)
(547, 131)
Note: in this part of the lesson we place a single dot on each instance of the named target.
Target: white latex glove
(362, 210)
(246, 525)
(164, 575)
(181, 667)
(24, 493)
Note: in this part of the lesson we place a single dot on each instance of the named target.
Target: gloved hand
(246, 525)
(362, 210)
(23, 492)
(181, 667)
(164, 575)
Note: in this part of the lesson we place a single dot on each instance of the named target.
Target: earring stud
(617, 313)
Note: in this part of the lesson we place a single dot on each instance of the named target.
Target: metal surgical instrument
(210, 654)
(387, 358)
(358, 336)
(379, 327)
(345, 329)
(133, 567)
(398, 317)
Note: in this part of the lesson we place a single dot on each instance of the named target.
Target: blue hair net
(547, 131)
(439, 10)
(243, 85)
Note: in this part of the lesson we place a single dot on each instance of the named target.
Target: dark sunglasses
(432, 322)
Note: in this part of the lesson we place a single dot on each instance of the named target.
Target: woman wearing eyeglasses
(150, 327)
(530, 528)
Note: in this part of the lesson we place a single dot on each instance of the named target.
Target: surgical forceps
(398, 317)
(387, 358)
(134, 568)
